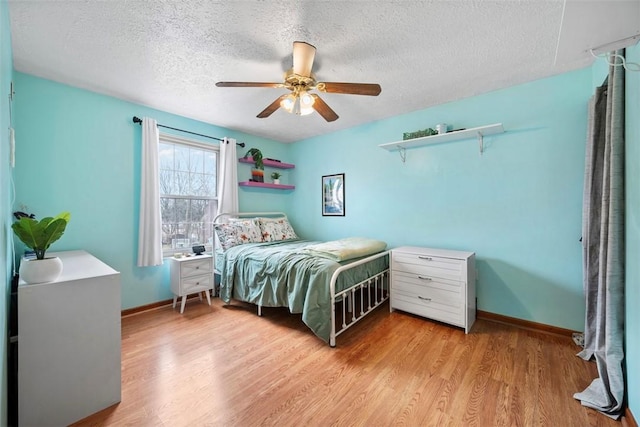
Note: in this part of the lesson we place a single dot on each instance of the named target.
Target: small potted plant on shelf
(39, 235)
(257, 172)
(276, 177)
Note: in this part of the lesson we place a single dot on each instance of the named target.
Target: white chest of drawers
(435, 283)
(191, 275)
(69, 343)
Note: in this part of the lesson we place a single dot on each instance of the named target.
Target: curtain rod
(139, 121)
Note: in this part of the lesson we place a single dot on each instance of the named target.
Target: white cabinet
(191, 275)
(434, 283)
(69, 343)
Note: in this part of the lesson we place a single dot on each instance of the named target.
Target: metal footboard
(359, 299)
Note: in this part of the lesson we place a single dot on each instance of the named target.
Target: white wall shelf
(477, 132)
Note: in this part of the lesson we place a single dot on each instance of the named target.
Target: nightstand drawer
(195, 267)
(429, 265)
(191, 283)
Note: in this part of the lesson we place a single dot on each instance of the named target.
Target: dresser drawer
(431, 309)
(195, 267)
(425, 280)
(190, 284)
(428, 265)
(451, 294)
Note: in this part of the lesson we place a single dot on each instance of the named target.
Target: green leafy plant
(276, 175)
(39, 235)
(419, 133)
(256, 154)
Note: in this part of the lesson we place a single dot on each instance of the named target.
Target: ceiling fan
(300, 80)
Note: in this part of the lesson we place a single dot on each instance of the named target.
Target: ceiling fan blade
(371, 89)
(323, 109)
(303, 56)
(271, 108)
(248, 84)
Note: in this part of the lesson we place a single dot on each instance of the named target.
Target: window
(188, 193)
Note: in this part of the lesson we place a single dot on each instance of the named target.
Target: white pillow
(276, 229)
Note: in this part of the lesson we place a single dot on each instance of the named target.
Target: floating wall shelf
(268, 163)
(266, 185)
(478, 132)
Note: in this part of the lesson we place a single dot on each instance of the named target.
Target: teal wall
(79, 151)
(6, 267)
(632, 183)
(518, 206)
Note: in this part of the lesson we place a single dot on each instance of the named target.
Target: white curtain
(228, 177)
(150, 221)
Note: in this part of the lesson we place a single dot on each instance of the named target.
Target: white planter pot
(40, 270)
(276, 181)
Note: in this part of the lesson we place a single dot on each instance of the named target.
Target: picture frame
(333, 200)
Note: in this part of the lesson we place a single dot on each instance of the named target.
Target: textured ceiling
(169, 54)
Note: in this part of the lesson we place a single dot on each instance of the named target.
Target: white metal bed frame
(370, 293)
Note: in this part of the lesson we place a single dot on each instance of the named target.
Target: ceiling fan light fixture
(305, 111)
(306, 103)
(288, 103)
(299, 103)
(306, 100)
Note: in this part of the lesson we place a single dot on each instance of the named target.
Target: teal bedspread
(281, 274)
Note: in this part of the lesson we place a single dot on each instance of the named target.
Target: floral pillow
(275, 229)
(248, 230)
(227, 235)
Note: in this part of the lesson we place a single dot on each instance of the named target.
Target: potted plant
(276, 177)
(257, 173)
(39, 235)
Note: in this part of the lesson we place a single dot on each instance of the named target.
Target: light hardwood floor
(225, 366)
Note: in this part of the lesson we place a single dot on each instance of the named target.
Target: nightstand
(191, 275)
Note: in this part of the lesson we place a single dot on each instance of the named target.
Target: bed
(335, 284)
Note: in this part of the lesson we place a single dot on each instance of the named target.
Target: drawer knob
(197, 283)
(424, 299)
(424, 278)
(198, 268)
(426, 258)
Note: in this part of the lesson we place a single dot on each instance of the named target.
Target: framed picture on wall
(333, 195)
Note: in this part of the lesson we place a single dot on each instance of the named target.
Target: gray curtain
(603, 246)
